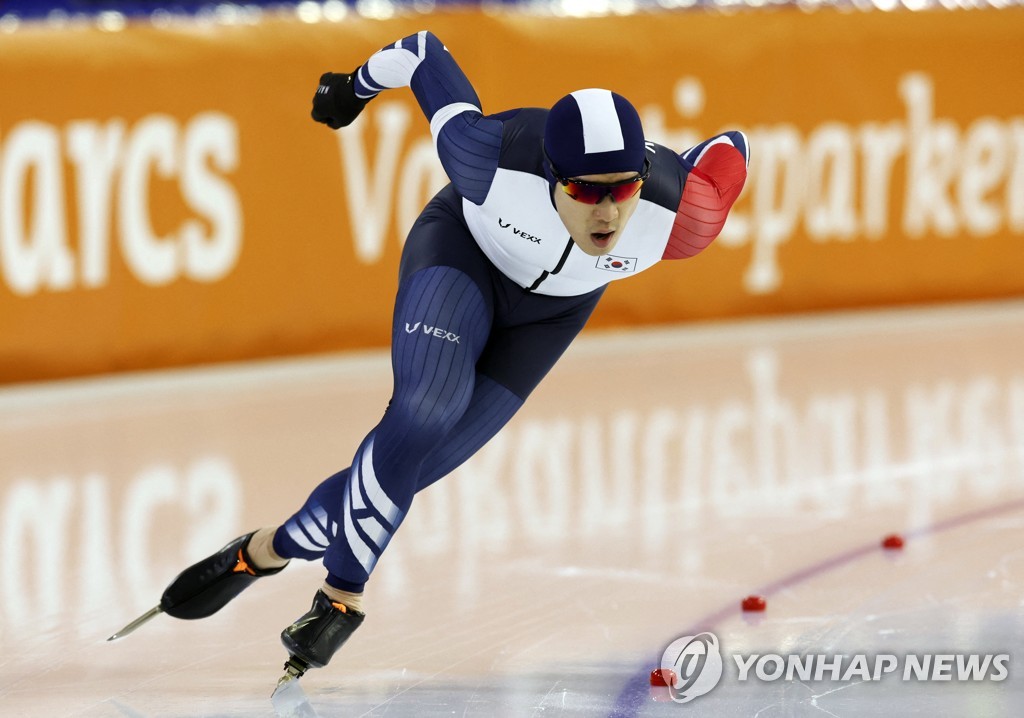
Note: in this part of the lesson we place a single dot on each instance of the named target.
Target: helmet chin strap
(549, 173)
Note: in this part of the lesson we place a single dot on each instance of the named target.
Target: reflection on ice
(68, 536)
(289, 700)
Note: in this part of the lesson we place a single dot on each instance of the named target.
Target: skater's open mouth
(601, 239)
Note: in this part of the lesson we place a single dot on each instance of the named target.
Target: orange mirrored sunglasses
(595, 192)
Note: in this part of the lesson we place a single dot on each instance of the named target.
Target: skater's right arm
(467, 143)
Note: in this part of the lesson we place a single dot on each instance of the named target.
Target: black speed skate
(316, 636)
(205, 587)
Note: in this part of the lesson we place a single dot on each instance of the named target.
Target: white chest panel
(520, 232)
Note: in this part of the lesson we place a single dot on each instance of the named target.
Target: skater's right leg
(435, 384)
(441, 326)
(442, 318)
(308, 532)
(207, 586)
(210, 584)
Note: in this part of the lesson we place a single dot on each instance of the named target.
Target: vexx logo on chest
(515, 230)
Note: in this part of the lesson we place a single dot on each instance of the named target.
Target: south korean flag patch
(616, 264)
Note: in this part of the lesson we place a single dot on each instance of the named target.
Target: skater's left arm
(715, 172)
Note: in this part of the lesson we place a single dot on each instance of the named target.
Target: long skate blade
(289, 700)
(147, 616)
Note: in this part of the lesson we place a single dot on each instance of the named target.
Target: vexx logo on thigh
(433, 332)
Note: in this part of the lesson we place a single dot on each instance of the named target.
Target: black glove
(335, 103)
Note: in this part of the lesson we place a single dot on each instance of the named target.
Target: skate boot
(205, 587)
(315, 637)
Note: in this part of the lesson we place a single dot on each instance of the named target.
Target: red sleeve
(710, 190)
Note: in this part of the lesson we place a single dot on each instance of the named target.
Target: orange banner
(166, 200)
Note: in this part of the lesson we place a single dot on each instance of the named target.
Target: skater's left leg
(516, 359)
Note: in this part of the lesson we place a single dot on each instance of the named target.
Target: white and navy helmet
(593, 131)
